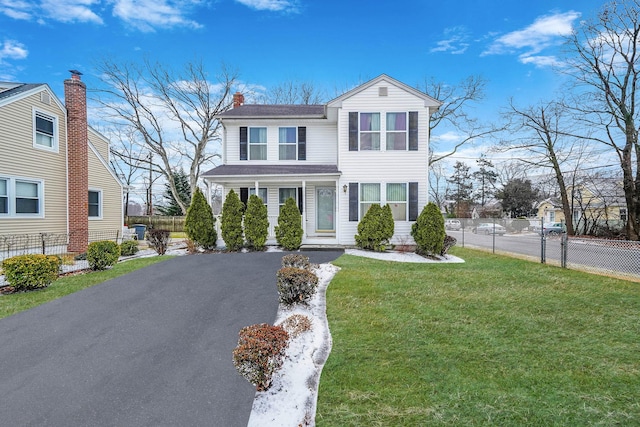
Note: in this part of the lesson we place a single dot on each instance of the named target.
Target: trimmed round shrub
(102, 254)
(428, 231)
(296, 285)
(128, 248)
(296, 260)
(256, 223)
(29, 272)
(200, 223)
(376, 228)
(289, 228)
(231, 222)
(260, 353)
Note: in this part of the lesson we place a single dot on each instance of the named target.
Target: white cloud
(148, 15)
(11, 49)
(71, 10)
(16, 9)
(271, 5)
(455, 41)
(545, 32)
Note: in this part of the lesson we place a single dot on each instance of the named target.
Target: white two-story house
(369, 145)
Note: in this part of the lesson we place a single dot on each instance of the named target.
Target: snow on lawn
(402, 256)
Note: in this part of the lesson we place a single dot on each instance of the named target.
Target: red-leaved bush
(260, 352)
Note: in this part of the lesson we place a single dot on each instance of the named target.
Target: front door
(325, 209)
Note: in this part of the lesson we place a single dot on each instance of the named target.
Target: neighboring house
(370, 145)
(54, 169)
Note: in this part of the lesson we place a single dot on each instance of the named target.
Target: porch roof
(253, 171)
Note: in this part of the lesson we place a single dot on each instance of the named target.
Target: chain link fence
(548, 243)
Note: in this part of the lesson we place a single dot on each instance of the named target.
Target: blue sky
(334, 44)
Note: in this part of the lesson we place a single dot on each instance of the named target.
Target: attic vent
(45, 98)
(382, 91)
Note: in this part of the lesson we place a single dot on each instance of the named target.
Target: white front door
(325, 209)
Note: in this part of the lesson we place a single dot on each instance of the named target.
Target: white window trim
(360, 201)
(11, 195)
(406, 132)
(100, 204)
(371, 132)
(287, 144)
(250, 144)
(383, 130)
(54, 147)
(406, 202)
(383, 198)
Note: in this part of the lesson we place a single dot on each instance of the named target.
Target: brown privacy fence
(171, 223)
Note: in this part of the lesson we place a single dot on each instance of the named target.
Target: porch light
(344, 188)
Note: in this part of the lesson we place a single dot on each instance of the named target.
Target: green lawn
(14, 303)
(494, 341)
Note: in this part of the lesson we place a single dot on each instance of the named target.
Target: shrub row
(33, 271)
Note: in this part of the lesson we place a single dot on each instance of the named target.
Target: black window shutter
(302, 143)
(243, 143)
(413, 201)
(244, 195)
(353, 201)
(413, 131)
(353, 131)
(300, 196)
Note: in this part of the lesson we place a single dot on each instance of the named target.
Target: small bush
(256, 223)
(128, 248)
(449, 242)
(158, 240)
(296, 324)
(200, 223)
(231, 222)
(296, 261)
(28, 272)
(102, 254)
(260, 353)
(296, 285)
(289, 228)
(375, 229)
(428, 231)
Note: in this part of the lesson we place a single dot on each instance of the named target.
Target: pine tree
(428, 231)
(172, 208)
(289, 228)
(256, 223)
(200, 223)
(231, 226)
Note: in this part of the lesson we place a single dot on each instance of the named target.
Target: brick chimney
(75, 99)
(238, 99)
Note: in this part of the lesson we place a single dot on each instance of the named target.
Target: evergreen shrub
(102, 254)
(296, 285)
(231, 225)
(428, 231)
(32, 271)
(200, 223)
(260, 353)
(256, 223)
(289, 228)
(375, 229)
(128, 248)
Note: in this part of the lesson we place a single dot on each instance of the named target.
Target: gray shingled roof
(268, 111)
(256, 170)
(18, 90)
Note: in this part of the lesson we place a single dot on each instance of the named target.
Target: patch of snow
(402, 256)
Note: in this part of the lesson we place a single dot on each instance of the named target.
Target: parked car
(452, 224)
(490, 228)
(553, 228)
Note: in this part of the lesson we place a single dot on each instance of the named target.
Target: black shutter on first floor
(353, 201)
(353, 131)
(244, 195)
(243, 143)
(302, 143)
(413, 201)
(300, 197)
(413, 131)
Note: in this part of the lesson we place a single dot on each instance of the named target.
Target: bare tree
(604, 62)
(126, 159)
(454, 113)
(171, 114)
(294, 92)
(438, 185)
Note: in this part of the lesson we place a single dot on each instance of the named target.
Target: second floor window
(396, 131)
(369, 131)
(288, 144)
(257, 143)
(45, 136)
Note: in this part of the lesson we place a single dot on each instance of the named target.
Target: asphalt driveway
(152, 348)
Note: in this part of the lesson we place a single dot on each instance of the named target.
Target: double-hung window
(95, 204)
(4, 196)
(369, 131)
(288, 143)
(397, 200)
(286, 193)
(262, 193)
(21, 197)
(257, 143)
(27, 197)
(45, 131)
(396, 131)
(369, 195)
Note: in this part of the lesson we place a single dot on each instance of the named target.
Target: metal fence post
(543, 243)
(563, 250)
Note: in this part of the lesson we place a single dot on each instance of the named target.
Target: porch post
(304, 209)
(336, 220)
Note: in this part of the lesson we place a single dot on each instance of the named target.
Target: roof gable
(429, 102)
(23, 90)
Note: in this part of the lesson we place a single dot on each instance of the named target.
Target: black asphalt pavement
(152, 348)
